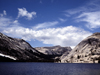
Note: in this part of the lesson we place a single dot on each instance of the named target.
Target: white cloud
(67, 15)
(24, 13)
(74, 11)
(92, 19)
(62, 20)
(8, 23)
(4, 21)
(89, 14)
(65, 36)
(4, 13)
(89, 7)
(1, 15)
(16, 21)
(45, 25)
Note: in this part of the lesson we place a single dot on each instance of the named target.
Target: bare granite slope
(87, 51)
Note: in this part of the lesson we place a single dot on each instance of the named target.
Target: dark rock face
(55, 51)
(13, 49)
(87, 51)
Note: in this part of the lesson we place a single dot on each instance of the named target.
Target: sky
(50, 22)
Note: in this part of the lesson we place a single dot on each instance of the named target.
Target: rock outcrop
(13, 49)
(87, 51)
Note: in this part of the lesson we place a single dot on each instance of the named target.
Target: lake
(27, 68)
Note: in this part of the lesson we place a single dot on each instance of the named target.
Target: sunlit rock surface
(87, 51)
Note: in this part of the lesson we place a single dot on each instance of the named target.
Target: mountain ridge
(20, 50)
(53, 50)
(13, 49)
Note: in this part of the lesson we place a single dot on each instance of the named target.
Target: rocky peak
(57, 46)
(96, 34)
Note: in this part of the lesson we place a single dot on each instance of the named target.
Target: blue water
(12, 68)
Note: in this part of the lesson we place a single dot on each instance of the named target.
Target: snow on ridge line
(3, 55)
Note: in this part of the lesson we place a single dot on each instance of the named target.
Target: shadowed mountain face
(12, 49)
(87, 51)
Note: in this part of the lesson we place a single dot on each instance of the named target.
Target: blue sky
(50, 22)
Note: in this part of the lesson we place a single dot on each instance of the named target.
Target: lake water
(17, 68)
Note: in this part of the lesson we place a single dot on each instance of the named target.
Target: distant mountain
(13, 49)
(87, 51)
(54, 50)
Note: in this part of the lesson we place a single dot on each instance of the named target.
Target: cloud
(4, 21)
(74, 11)
(67, 15)
(62, 20)
(1, 15)
(45, 25)
(16, 21)
(24, 13)
(89, 14)
(90, 6)
(4, 13)
(8, 23)
(65, 36)
(92, 19)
